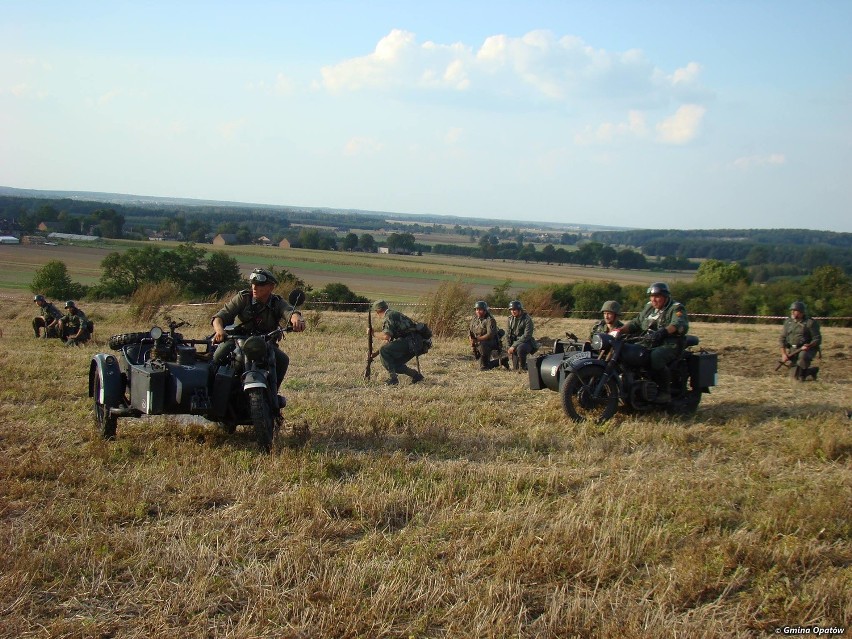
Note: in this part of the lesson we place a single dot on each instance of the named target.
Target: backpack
(425, 333)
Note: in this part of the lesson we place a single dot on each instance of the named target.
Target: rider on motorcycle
(664, 323)
(261, 311)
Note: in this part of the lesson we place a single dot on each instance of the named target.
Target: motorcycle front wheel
(261, 417)
(578, 401)
(104, 422)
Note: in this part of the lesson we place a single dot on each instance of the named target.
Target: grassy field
(465, 506)
(397, 277)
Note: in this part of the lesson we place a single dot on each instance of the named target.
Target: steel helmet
(480, 305)
(516, 305)
(262, 276)
(70, 304)
(612, 306)
(39, 298)
(659, 288)
(798, 305)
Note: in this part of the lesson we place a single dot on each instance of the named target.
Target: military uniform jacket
(49, 312)
(603, 327)
(794, 333)
(258, 318)
(650, 319)
(521, 331)
(398, 325)
(485, 326)
(73, 322)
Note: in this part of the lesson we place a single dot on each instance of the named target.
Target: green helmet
(612, 306)
(262, 276)
(70, 304)
(480, 305)
(39, 298)
(516, 305)
(380, 305)
(659, 288)
(798, 306)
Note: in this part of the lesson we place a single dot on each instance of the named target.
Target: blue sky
(651, 114)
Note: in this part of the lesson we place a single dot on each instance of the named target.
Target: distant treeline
(768, 252)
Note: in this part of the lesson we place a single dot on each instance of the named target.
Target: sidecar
(154, 373)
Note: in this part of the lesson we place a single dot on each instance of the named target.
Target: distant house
(263, 241)
(73, 237)
(9, 239)
(225, 239)
(41, 227)
(384, 249)
(285, 243)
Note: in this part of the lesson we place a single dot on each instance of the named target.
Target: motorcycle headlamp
(254, 347)
(597, 342)
(156, 332)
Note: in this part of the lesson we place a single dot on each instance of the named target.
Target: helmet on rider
(659, 288)
(480, 306)
(798, 306)
(39, 298)
(262, 276)
(612, 306)
(515, 305)
(70, 304)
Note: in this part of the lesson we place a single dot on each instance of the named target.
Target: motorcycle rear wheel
(105, 423)
(577, 400)
(261, 417)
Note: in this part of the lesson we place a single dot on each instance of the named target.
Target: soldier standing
(520, 340)
(484, 338)
(611, 310)
(74, 327)
(47, 321)
(401, 343)
(800, 342)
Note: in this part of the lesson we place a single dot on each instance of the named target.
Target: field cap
(380, 305)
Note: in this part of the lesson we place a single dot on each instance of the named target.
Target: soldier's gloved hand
(658, 336)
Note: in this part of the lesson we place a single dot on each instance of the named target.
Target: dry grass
(464, 506)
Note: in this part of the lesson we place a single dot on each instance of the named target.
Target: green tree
(52, 280)
(716, 273)
(367, 243)
(350, 242)
(221, 274)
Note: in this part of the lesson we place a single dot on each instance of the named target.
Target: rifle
(474, 348)
(788, 363)
(369, 344)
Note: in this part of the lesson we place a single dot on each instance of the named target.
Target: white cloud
(683, 126)
(453, 135)
(230, 130)
(534, 67)
(752, 161)
(635, 127)
(362, 146)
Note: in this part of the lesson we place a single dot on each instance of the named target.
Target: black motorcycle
(162, 373)
(594, 377)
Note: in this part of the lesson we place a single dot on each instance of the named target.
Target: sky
(654, 114)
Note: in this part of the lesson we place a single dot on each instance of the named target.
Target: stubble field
(463, 506)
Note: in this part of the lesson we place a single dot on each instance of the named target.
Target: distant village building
(73, 237)
(225, 239)
(384, 250)
(9, 239)
(263, 241)
(285, 243)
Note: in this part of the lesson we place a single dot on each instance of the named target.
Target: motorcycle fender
(574, 365)
(254, 379)
(105, 366)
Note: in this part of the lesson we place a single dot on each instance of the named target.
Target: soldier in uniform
(520, 340)
(47, 321)
(800, 332)
(401, 343)
(74, 326)
(260, 312)
(663, 321)
(611, 310)
(484, 337)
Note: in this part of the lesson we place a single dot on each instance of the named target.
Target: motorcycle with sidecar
(162, 373)
(595, 377)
